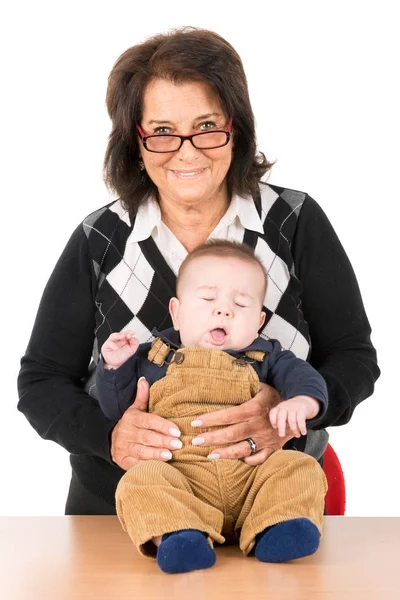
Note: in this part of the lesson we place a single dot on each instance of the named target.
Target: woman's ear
(173, 311)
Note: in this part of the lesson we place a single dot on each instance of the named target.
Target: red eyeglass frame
(144, 138)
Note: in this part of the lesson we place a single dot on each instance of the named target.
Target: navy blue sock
(288, 540)
(184, 550)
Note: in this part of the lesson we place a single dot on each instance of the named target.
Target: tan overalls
(220, 497)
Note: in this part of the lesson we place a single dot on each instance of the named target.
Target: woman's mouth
(193, 174)
(218, 336)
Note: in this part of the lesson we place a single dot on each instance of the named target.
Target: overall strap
(256, 355)
(159, 352)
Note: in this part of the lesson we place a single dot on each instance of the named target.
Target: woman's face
(189, 176)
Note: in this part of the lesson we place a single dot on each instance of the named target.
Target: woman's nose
(187, 150)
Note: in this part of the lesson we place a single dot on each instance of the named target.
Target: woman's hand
(139, 435)
(249, 420)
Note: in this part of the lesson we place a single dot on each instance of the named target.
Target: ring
(252, 444)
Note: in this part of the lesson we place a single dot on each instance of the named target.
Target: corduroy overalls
(220, 497)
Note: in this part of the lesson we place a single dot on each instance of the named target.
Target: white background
(322, 79)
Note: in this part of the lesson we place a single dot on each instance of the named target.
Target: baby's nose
(223, 312)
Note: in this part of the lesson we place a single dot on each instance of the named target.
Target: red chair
(335, 499)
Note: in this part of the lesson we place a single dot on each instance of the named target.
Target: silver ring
(252, 444)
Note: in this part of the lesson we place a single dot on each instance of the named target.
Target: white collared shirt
(241, 214)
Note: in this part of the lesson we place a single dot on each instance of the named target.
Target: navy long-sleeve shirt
(291, 376)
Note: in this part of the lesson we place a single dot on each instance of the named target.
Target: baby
(213, 358)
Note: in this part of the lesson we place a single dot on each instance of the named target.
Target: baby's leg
(283, 513)
(153, 499)
(157, 540)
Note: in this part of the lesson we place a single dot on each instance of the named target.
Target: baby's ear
(262, 319)
(173, 311)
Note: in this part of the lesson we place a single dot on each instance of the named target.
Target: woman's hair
(180, 56)
(220, 248)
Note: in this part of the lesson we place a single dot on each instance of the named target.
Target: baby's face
(220, 303)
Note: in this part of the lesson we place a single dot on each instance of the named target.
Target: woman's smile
(188, 174)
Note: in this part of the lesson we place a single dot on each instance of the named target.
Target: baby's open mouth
(218, 335)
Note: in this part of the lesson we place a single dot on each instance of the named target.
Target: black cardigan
(82, 305)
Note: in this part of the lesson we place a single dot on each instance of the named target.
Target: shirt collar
(244, 209)
(148, 217)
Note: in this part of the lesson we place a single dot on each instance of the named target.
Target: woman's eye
(162, 130)
(207, 125)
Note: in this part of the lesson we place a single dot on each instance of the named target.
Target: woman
(182, 158)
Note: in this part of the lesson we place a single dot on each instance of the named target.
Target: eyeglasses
(172, 143)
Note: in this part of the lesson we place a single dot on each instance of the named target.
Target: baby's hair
(221, 248)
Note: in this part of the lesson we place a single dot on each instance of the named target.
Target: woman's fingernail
(198, 441)
(174, 432)
(176, 444)
(141, 379)
(166, 454)
(213, 456)
(196, 423)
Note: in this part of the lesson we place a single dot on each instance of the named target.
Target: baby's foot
(288, 540)
(183, 551)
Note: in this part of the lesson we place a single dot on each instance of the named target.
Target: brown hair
(182, 55)
(221, 248)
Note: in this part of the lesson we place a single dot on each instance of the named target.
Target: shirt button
(242, 362)
(179, 358)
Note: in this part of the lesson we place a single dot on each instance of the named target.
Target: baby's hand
(118, 348)
(294, 412)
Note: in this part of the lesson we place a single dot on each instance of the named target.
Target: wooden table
(91, 558)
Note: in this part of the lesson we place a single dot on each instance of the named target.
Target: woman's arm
(55, 366)
(341, 348)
